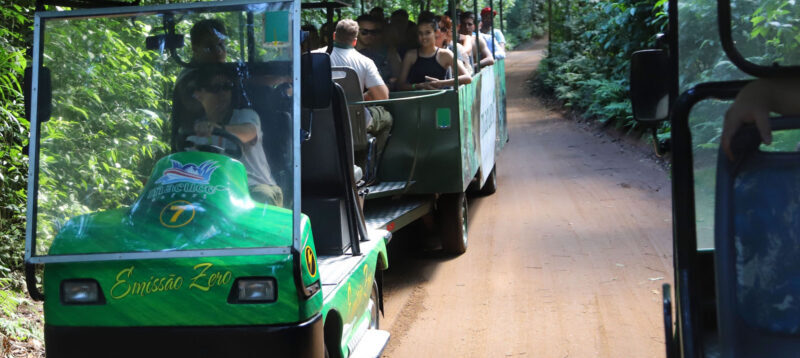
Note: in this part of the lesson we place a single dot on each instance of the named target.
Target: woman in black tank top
(429, 66)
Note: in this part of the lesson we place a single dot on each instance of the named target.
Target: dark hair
(400, 12)
(466, 15)
(428, 18)
(368, 18)
(204, 28)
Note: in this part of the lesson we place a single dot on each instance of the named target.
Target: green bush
(588, 62)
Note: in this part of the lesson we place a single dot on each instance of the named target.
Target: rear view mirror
(161, 42)
(316, 82)
(44, 97)
(650, 85)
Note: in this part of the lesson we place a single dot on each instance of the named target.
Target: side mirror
(44, 97)
(316, 83)
(161, 42)
(650, 85)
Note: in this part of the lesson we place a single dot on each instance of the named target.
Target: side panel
(420, 147)
(350, 299)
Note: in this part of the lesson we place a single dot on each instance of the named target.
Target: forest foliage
(587, 65)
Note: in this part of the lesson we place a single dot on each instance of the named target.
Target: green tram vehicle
(735, 221)
(143, 245)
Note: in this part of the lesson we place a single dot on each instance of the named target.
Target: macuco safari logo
(190, 179)
(188, 173)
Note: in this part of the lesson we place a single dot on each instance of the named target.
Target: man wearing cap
(498, 44)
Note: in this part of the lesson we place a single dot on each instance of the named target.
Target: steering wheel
(221, 132)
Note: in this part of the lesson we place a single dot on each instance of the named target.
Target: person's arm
(486, 56)
(754, 103)
(446, 59)
(501, 40)
(246, 132)
(468, 42)
(408, 61)
(395, 64)
(377, 93)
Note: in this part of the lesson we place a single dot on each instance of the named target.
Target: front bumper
(304, 339)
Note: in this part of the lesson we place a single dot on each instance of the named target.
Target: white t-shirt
(368, 75)
(253, 156)
(497, 40)
(366, 70)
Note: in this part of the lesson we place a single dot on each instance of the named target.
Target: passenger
(755, 102)
(371, 44)
(378, 14)
(208, 46)
(444, 39)
(498, 43)
(214, 90)
(325, 34)
(429, 67)
(474, 44)
(379, 120)
(312, 40)
(402, 33)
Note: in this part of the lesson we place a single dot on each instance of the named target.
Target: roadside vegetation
(587, 65)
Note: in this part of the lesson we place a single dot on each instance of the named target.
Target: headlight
(253, 290)
(81, 292)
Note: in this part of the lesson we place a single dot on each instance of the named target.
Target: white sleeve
(498, 36)
(372, 77)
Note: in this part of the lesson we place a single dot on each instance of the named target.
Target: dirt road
(567, 259)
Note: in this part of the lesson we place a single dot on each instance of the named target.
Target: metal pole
(454, 31)
(549, 25)
(501, 17)
(491, 16)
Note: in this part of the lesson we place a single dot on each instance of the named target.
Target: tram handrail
(395, 100)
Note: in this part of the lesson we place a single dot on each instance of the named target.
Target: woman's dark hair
(428, 18)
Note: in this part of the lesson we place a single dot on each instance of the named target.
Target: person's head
(324, 33)
(377, 13)
(466, 23)
(427, 27)
(346, 32)
(312, 41)
(208, 41)
(399, 19)
(213, 88)
(487, 16)
(370, 31)
(445, 29)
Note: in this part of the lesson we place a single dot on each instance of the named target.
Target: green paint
(443, 118)
(276, 26)
(182, 215)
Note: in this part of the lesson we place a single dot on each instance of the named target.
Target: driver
(214, 91)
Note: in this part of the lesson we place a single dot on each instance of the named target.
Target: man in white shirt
(498, 44)
(344, 54)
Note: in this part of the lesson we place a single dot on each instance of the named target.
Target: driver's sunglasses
(219, 87)
(368, 32)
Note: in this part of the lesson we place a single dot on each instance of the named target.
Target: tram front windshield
(157, 146)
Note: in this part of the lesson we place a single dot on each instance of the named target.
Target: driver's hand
(750, 107)
(204, 128)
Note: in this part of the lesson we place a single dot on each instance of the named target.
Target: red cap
(487, 10)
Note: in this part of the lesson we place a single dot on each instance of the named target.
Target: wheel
(374, 306)
(453, 222)
(491, 183)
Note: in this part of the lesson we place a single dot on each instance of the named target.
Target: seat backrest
(327, 176)
(757, 249)
(353, 92)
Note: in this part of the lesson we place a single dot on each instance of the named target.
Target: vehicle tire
(490, 187)
(453, 222)
(375, 310)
